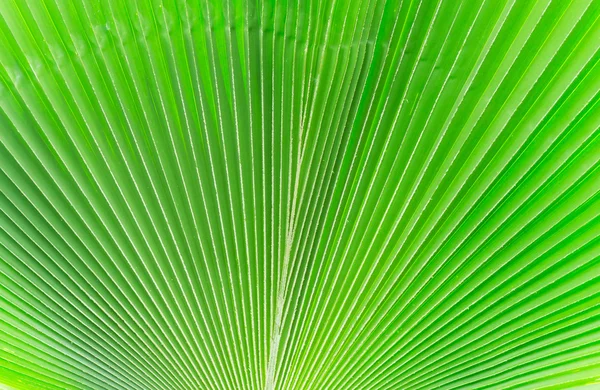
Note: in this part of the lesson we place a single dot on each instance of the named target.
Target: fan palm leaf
(333, 194)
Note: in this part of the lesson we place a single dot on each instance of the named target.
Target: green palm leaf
(335, 194)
